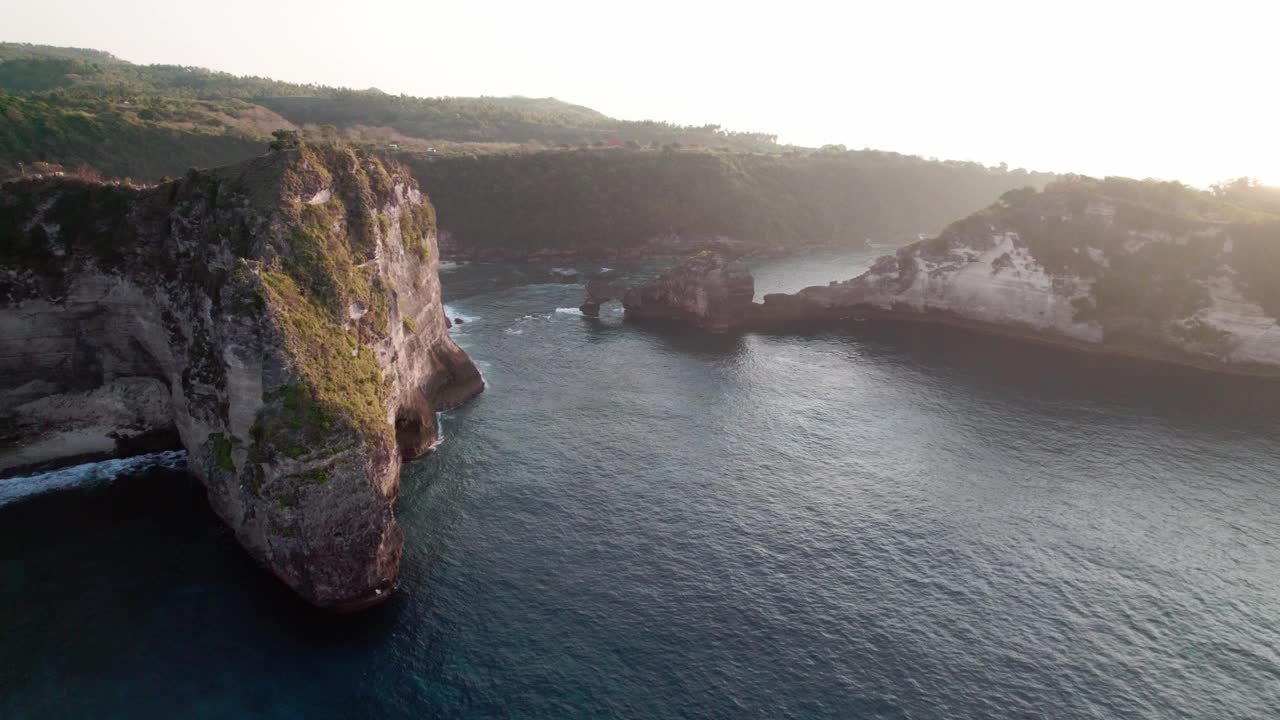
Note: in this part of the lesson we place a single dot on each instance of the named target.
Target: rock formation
(282, 318)
(1153, 270)
(600, 292)
(704, 290)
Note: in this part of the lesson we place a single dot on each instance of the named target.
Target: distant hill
(141, 138)
(612, 202)
(27, 51)
(511, 177)
(58, 83)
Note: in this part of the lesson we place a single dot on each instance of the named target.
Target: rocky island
(704, 290)
(281, 319)
(1153, 270)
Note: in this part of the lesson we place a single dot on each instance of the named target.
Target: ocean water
(882, 522)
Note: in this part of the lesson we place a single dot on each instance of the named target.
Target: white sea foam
(439, 433)
(569, 311)
(87, 475)
(453, 313)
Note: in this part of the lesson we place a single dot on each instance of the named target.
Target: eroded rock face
(1141, 269)
(282, 318)
(705, 290)
(600, 292)
(1120, 266)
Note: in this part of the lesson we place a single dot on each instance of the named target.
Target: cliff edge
(1139, 268)
(280, 318)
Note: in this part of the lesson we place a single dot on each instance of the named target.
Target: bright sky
(1170, 89)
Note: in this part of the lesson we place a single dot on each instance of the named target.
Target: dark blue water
(886, 522)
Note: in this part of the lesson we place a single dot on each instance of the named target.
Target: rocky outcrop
(281, 319)
(1153, 270)
(600, 292)
(705, 290)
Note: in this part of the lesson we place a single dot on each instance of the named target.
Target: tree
(1018, 197)
(284, 140)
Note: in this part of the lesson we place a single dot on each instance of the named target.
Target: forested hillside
(144, 138)
(63, 81)
(512, 177)
(605, 201)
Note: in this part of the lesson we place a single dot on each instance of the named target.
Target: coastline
(1163, 355)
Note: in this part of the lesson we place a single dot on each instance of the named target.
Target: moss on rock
(222, 451)
(325, 295)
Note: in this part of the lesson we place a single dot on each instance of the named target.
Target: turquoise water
(883, 522)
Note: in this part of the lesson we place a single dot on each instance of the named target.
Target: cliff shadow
(141, 565)
(1038, 374)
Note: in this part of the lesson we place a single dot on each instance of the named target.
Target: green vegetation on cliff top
(144, 139)
(1149, 249)
(320, 209)
(322, 279)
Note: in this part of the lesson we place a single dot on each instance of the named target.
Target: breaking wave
(88, 475)
(453, 313)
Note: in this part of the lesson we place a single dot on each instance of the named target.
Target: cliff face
(1143, 269)
(1133, 268)
(281, 318)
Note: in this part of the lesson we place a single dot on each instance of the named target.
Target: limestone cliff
(1148, 269)
(281, 317)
